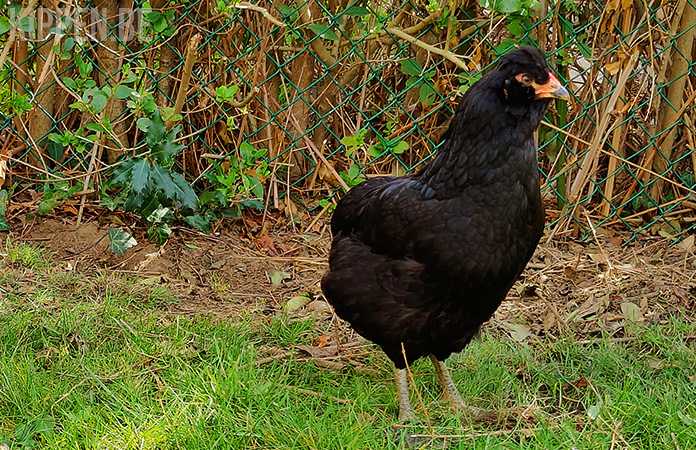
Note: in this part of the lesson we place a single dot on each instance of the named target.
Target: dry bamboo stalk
(88, 176)
(690, 137)
(618, 133)
(589, 163)
(675, 92)
(191, 50)
(611, 169)
(648, 159)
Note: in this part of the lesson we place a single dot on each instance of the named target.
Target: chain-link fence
(341, 90)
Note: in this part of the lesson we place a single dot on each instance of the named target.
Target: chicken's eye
(525, 79)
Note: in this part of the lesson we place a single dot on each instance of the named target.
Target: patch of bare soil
(596, 288)
(593, 288)
(218, 274)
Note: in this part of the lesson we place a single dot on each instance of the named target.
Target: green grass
(94, 362)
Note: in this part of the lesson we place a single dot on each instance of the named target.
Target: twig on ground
(477, 435)
(610, 268)
(562, 324)
(342, 401)
(415, 388)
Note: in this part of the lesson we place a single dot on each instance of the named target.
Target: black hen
(419, 262)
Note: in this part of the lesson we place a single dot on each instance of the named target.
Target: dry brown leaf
(266, 243)
(287, 249)
(517, 331)
(328, 364)
(656, 364)
(597, 258)
(3, 171)
(317, 352)
(615, 241)
(549, 320)
(590, 307)
(570, 273)
(687, 244)
(613, 67)
(323, 340)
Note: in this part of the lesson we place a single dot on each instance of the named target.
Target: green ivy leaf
(255, 185)
(515, 27)
(323, 31)
(426, 94)
(411, 67)
(54, 149)
(96, 127)
(353, 171)
(158, 214)
(83, 67)
(375, 151)
(284, 10)
(505, 46)
(143, 124)
(46, 206)
(123, 92)
(356, 11)
(70, 83)
(128, 75)
(508, 6)
(120, 240)
(99, 101)
(4, 25)
(110, 202)
(400, 147)
(27, 24)
(152, 16)
(226, 93)
(160, 25)
(256, 204)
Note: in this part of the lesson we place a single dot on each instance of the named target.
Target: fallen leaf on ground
(278, 276)
(323, 340)
(266, 243)
(631, 311)
(296, 302)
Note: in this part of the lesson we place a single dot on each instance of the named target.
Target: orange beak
(551, 89)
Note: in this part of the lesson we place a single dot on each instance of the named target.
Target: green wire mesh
(344, 90)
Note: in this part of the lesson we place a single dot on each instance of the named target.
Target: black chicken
(419, 262)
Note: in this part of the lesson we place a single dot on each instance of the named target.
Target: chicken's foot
(450, 393)
(405, 410)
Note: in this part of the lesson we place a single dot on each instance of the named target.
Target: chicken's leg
(450, 394)
(405, 410)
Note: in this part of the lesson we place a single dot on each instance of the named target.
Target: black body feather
(423, 260)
